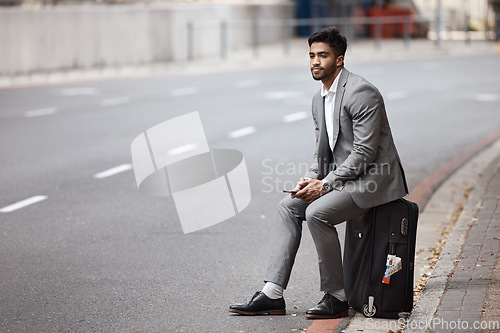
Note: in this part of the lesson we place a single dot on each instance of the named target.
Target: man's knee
(316, 215)
(287, 204)
(312, 214)
(292, 209)
(283, 205)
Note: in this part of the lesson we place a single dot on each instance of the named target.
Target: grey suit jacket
(364, 159)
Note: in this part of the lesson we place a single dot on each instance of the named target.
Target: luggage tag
(393, 265)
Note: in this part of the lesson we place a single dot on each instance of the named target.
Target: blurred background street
(88, 252)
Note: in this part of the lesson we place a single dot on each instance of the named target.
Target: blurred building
(455, 12)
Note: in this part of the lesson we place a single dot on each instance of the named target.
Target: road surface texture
(88, 252)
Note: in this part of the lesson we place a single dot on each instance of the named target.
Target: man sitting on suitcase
(356, 167)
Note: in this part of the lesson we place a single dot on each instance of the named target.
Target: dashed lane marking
(40, 112)
(23, 203)
(284, 94)
(247, 84)
(486, 97)
(242, 132)
(115, 101)
(183, 91)
(79, 91)
(113, 171)
(182, 149)
(290, 118)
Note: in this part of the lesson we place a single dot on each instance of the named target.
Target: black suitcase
(388, 229)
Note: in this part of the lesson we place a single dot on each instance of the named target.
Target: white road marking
(242, 132)
(394, 95)
(23, 203)
(115, 101)
(247, 84)
(183, 91)
(284, 94)
(183, 149)
(486, 97)
(40, 112)
(290, 118)
(79, 91)
(113, 171)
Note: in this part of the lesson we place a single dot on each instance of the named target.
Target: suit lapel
(339, 95)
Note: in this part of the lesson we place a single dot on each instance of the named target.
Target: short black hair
(332, 37)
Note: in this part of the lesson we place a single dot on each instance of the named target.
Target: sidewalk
(458, 253)
(462, 292)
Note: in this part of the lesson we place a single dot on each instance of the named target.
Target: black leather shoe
(260, 304)
(328, 308)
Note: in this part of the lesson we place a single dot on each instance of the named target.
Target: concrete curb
(429, 301)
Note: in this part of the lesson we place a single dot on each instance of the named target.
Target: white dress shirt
(329, 105)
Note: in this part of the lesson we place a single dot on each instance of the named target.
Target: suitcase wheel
(367, 312)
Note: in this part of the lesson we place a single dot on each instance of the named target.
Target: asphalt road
(96, 255)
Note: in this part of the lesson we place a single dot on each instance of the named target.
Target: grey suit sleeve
(363, 105)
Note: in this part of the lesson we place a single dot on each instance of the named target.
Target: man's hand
(308, 189)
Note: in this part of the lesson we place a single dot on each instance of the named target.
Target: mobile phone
(289, 191)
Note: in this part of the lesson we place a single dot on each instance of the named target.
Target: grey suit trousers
(321, 215)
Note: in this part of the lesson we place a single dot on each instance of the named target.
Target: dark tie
(325, 157)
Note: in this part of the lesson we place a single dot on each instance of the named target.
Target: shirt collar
(333, 87)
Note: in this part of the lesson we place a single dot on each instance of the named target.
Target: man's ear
(339, 61)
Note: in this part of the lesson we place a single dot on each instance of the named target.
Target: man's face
(323, 62)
